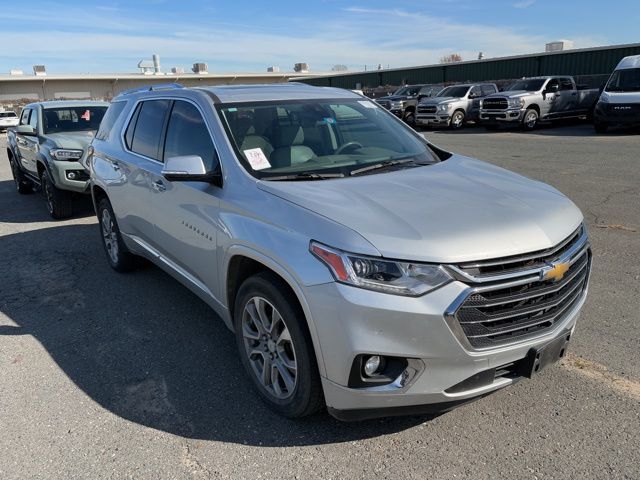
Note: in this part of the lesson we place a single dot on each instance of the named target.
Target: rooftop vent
(301, 67)
(177, 70)
(273, 69)
(200, 68)
(16, 72)
(39, 70)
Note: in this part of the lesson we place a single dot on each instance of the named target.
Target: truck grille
(497, 103)
(384, 103)
(429, 109)
(510, 301)
(623, 110)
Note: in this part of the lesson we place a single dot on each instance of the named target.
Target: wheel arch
(243, 262)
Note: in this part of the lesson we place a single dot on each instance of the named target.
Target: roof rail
(152, 88)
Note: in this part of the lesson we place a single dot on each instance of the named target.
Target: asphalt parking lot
(130, 376)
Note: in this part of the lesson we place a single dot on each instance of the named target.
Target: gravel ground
(131, 376)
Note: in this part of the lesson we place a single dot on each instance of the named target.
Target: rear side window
(488, 90)
(187, 134)
(148, 128)
(566, 84)
(109, 119)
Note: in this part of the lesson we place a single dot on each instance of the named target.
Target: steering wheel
(348, 146)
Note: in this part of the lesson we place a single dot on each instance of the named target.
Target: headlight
(396, 104)
(516, 102)
(443, 107)
(64, 154)
(603, 99)
(372, 273)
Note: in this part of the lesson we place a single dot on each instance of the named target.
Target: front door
(186, 213)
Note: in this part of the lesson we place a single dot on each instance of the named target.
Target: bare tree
(453, 58)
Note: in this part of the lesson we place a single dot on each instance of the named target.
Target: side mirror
(189, 168)
(473, 95)
(25, 130)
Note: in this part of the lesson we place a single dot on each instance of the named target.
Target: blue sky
(249, 35)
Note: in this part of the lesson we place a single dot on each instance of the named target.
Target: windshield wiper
(305, 176)
(385, 164)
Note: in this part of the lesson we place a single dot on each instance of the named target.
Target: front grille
(427, 109)
(497, 103)
(384, 103)
(624, 109)
(510, 309)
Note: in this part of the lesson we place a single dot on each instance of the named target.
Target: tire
(530, 119)
(410, 119)
(601, 127)
(292, 385)
(457, 120)
(59, 203)
(24, 186)
(118, 256)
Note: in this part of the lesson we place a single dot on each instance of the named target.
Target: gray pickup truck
(454, 105)
(531, 100)
(404, 101)
(48, 148)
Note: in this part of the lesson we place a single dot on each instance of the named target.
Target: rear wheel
(119, 257)
(23, 184)
(457, 120)
(275, 346)
(530, 119)
(59, 203)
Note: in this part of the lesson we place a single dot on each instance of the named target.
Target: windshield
(454, 91)
(407, 91)
(72, 119)
(527, 85)
(624, 81)
(319, 137)
(8, 115)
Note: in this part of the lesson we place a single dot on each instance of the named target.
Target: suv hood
(73, 140)
(511, 94)
(454, 211)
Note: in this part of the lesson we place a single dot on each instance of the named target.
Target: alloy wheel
(531, 119)
(109, 235)
(457, 119)
(48, 194)
(269, 348)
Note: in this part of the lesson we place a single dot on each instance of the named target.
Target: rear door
(130, 192)
(567, 97)
(186, 213)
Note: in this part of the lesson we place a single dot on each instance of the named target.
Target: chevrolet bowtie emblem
(554, 272)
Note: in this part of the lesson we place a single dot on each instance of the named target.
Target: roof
(247, 93)
(166, 77)
(69, 103)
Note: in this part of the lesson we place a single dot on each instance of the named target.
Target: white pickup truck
(8, 120)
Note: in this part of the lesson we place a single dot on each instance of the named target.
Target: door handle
(159, 186)
(115, 166)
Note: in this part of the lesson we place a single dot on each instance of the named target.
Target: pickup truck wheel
(275, 346)
(59, 203)
(410, 119)
(457, 120)
(119, 257)
(530, 119)
(601, 127)
(23, 184)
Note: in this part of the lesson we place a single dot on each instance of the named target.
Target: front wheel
(457, 120)
(59, 203)
(530, 119)
(410, 118)
(601, 127)
(275, 346)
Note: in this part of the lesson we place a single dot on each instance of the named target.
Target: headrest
(290, 136)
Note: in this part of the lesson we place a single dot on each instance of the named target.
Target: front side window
(454, 91)
(144, 137)
(33, 119)
(624, 81)
(488, 90)
(339, 137)
(476, 91)
(533, 85)
(72, 119)
(24, 116)
(187, 134)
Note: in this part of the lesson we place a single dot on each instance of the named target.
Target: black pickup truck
(404, 101)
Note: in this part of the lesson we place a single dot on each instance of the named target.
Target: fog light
(71, 175)
(372, 365)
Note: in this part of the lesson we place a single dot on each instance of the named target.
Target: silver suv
(358, 265)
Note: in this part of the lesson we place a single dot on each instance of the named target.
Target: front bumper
(511, 115)
(433, 119)
(606, 115)
(352, 321)
(61, 171)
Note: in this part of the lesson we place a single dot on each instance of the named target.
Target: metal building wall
(587, 62)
